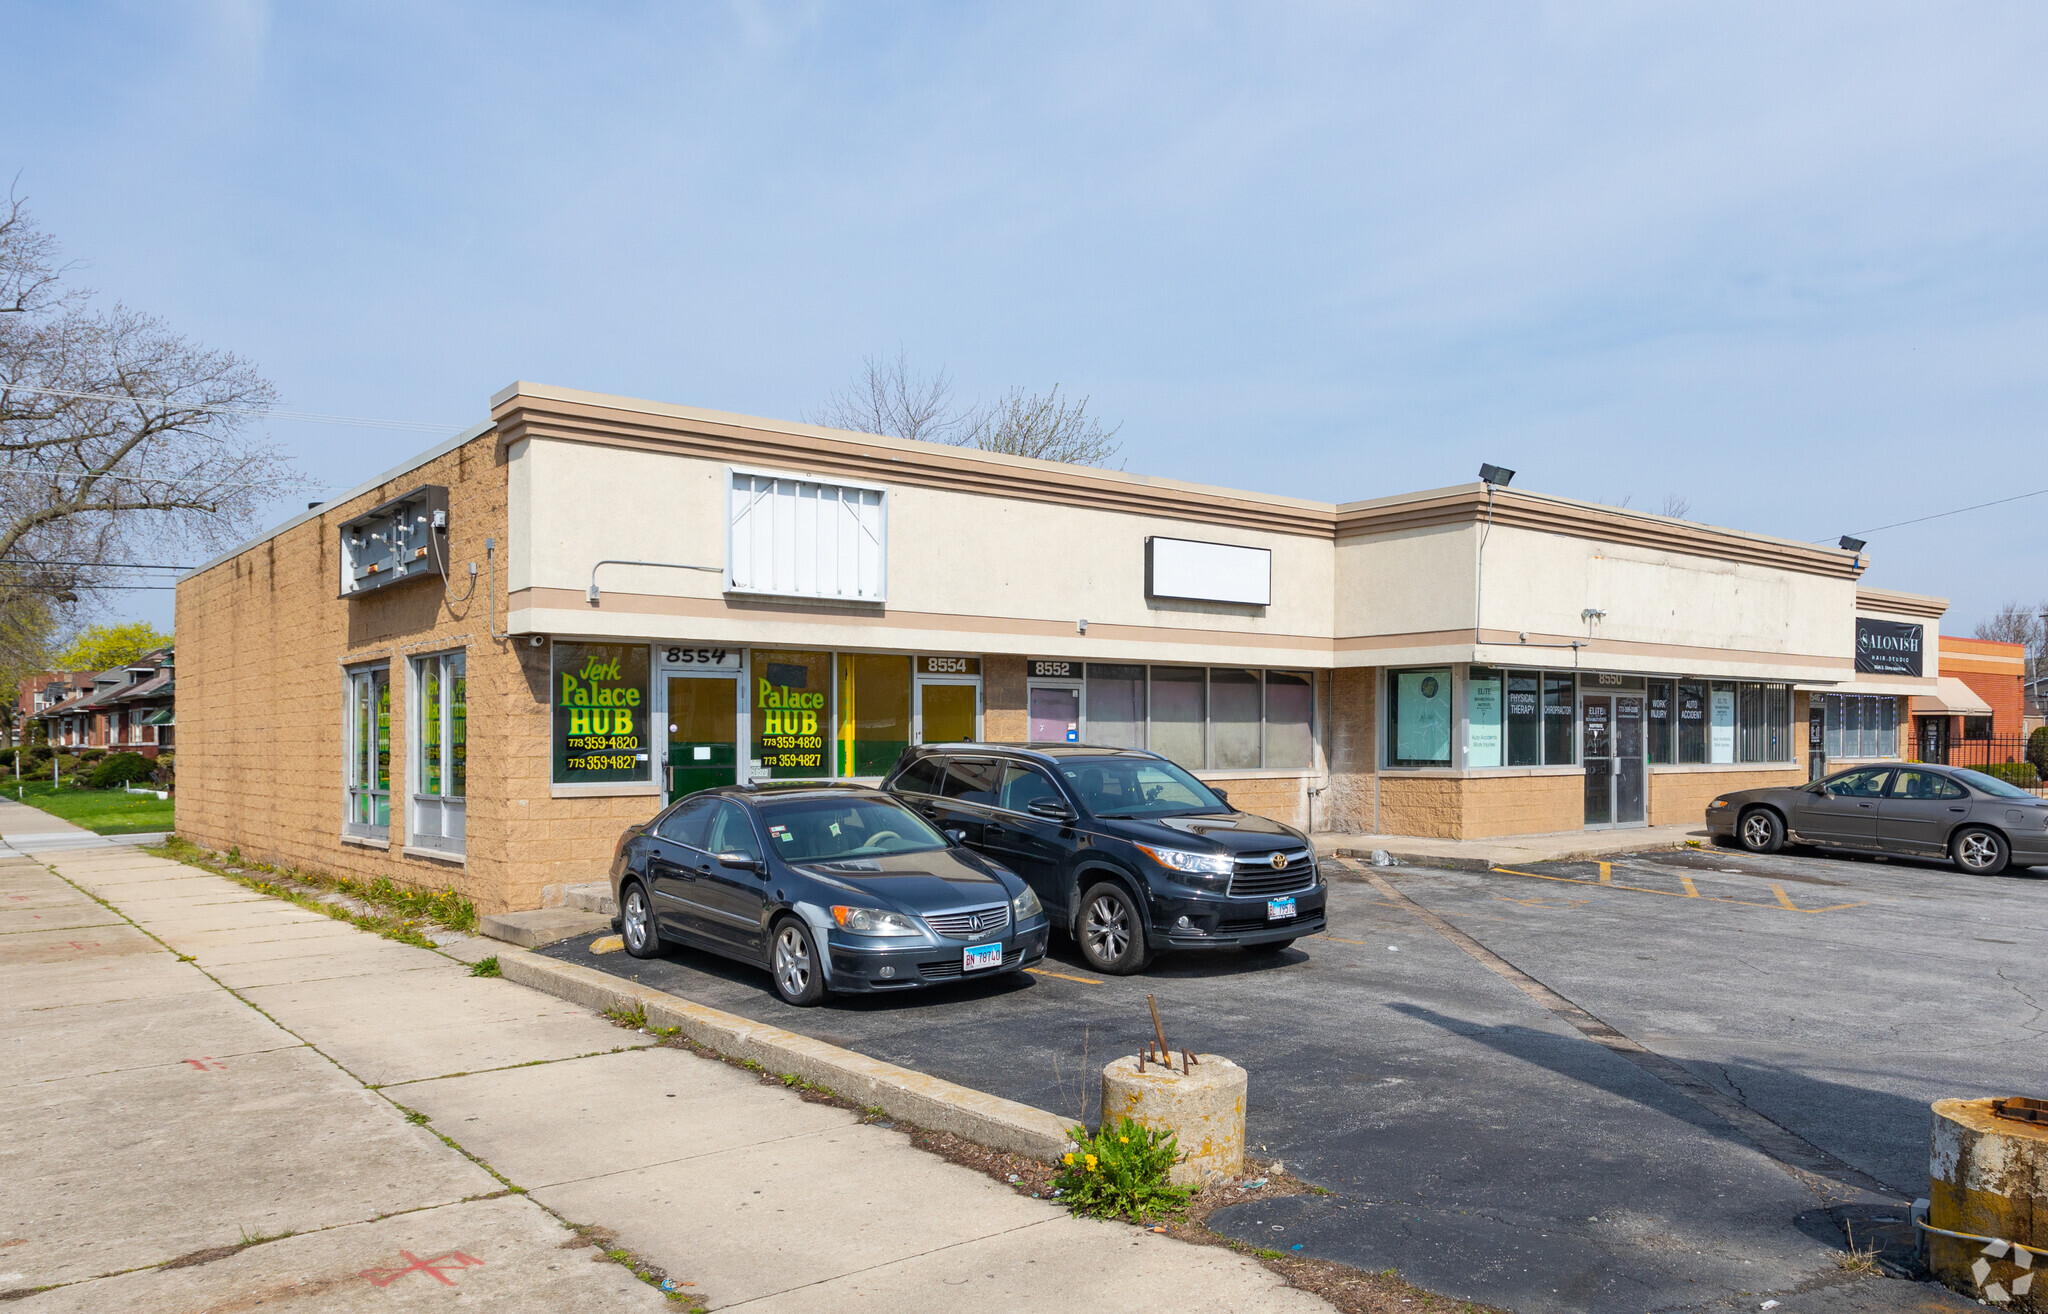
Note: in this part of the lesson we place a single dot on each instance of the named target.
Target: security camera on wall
(535, 641)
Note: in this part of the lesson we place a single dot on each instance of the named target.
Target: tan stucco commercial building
(477, 668)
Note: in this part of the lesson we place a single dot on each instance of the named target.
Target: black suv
(1128, 852)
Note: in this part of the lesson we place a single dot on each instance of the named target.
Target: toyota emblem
(1279, 861)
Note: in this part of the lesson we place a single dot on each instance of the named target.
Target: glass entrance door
(703, 733)
(948, 712)
(1631, 793)
(1597, 752)
(1611, 744)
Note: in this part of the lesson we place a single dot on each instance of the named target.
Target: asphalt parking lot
(1662, 1082)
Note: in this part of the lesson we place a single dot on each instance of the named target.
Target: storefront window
(1236, 713)
(1778, 723)
(874, 712)
(1559, 709)
(1659, 746)
(1721, 723)
(1749, 716)
(1860, 726)
(1180, 715)
(369, 753)
(792, 713)
(1419, 717)
(1290, 709)
(440, 718)
(1485, 718)
(1525, 718)
(1692, 723)
(599, 692)
(1116, 706)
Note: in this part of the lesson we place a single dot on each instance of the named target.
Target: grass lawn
(107, 811)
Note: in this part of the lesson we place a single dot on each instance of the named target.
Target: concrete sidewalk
(189, 1066)
(1509, 850)
(25, 829)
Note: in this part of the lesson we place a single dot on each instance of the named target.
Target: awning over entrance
(1953, 697)
(161, 716)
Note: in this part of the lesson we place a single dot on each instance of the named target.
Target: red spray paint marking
(453, 1261)
(201, 1064)
(85, 944)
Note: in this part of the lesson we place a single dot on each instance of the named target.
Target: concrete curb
(914, 1097)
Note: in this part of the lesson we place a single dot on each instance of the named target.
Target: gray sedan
(1979, 822)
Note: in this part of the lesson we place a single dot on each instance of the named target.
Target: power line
(2017, 497)
(281, 482)
(232, 408)
(111, 565)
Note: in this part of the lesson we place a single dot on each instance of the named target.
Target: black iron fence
(2006, 756)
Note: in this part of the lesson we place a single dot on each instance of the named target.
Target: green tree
(100, 647)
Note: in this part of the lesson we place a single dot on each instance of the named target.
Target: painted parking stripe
(1039, 971)
(1784, 903)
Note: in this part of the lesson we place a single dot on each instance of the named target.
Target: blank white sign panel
(1208, 572)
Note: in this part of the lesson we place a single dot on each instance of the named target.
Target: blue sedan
(829, 887)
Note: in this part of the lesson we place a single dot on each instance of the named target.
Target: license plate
(980, 956)
(1279, 909)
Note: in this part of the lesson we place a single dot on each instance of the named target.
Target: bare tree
(118, 436)
(892, 399)
(1676, 505)
(889, 397)
(1046, 426)
(2014, 623)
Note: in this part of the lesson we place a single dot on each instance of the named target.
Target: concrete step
(543, 926)
(592, 896)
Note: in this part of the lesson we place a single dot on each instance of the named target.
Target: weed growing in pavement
(258, 1238)
(634, 1018)
(397, 911)
(1120, 1172)
(1855, 1259)
(485, 967)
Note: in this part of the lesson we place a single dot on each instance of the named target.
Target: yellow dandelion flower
(1125, 1139)
(1070, 1159)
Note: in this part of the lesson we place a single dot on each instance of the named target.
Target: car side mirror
(1051, 809)
(957, 836)
(1219, 794)
(740, 859)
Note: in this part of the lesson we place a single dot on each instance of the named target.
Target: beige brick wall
(1679, 797)
(1282, 798)
(263, 641)
(1347, 693)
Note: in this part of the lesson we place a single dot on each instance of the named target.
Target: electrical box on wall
(405, 538)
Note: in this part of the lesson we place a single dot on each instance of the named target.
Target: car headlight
(1717, 803)
(873, 921)
(1206, 868)
(1026, 905)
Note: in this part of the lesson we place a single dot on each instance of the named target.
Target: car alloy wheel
(636, 923)
(1760, 833)
(1111, 937)
(795, 966)
(1108, 929)
(1980, 851)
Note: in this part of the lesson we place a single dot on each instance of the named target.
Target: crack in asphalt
(2029, 1024)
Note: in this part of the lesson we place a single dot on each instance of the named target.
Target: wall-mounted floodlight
(1592, 614)
(1496, 475)
(1851, 544)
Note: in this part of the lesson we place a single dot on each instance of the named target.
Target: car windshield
(833, 829)
(1991, 785)
(1117, 787)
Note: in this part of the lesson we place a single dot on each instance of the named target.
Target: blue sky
(1787, 262)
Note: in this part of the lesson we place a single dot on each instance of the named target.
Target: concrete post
(1204, 1109)
(1989, 1178)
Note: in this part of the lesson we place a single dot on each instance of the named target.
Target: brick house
(1979, 714)
(125, 709)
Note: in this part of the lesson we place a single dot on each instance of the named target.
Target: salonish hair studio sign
(600, 713)
(1888, 647)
